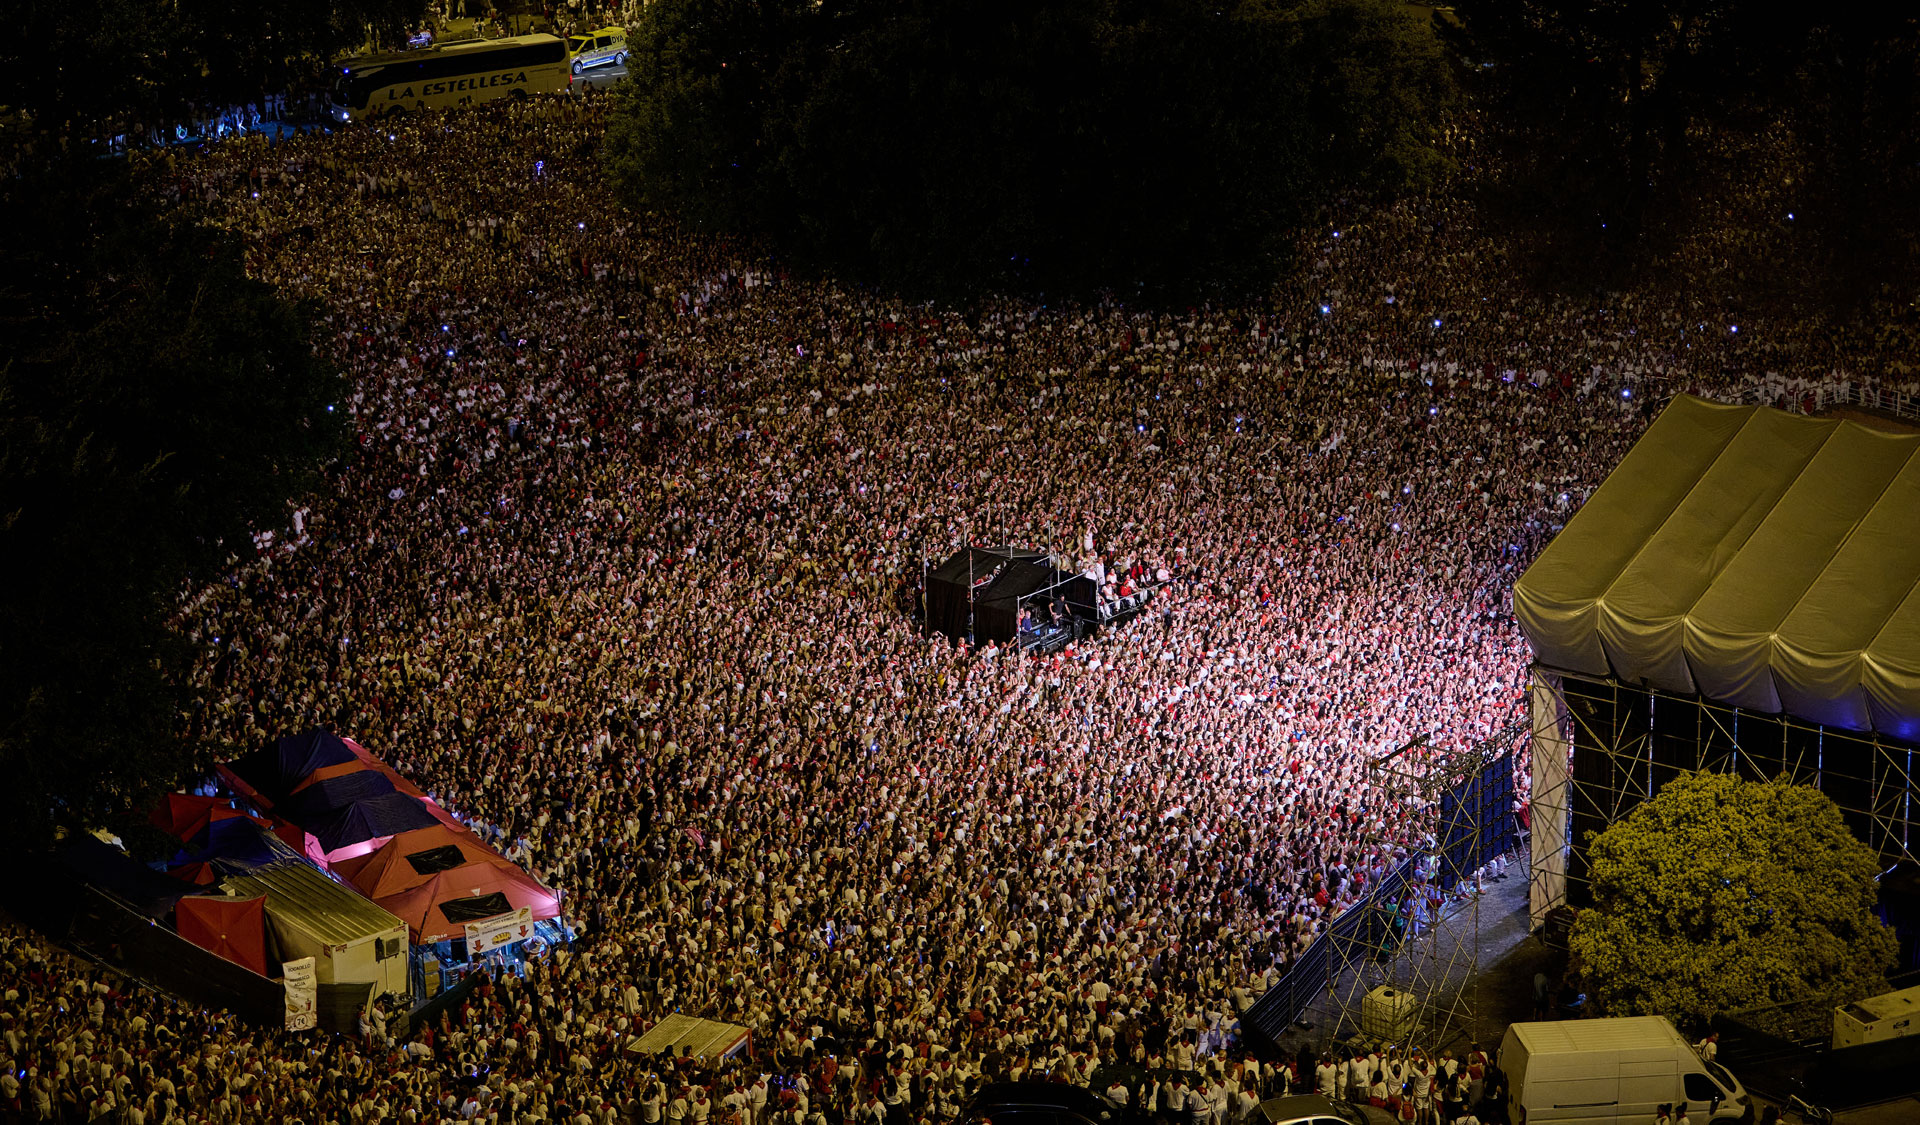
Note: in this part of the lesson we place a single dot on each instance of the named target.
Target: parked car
(1041, 1103)
(1317, 1109)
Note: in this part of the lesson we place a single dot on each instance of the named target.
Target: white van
(1602, 1071)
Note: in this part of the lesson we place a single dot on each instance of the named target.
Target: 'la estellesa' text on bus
(452, 75)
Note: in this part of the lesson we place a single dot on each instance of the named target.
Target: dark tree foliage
(1721, 894)
(155, 403)
(946, 144)
(76, 66)
(1628, 119)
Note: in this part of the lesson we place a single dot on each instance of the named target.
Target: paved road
(601, 77)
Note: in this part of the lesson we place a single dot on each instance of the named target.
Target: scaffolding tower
(1601, 748)
(1429, 955)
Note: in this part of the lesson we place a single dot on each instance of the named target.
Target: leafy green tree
(156, 404)
(1721, 894)
(713, 73)
(1165, 145)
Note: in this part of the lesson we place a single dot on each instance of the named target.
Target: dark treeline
(1173, 148)
(1162, 146)
(1630, 132)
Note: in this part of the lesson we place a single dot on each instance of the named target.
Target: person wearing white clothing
(1199, 1107)
(1326, 1078)
(1359, 1076)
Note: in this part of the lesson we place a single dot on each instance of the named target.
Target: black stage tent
(999, 579)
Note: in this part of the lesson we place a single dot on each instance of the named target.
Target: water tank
(1389, 1014)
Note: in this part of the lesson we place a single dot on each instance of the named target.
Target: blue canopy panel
(386, 815)
(334, 793)
(275, 770)
(237, 844)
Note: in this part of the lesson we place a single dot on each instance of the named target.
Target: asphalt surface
(1494, 984)
(601, 77)
(1479, 962)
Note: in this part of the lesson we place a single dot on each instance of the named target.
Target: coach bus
(453, 75)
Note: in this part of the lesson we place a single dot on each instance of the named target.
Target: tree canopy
(155, 405)
(939, 144)
(1632, 126)
(1721, 894)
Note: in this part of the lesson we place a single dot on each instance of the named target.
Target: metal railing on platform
(1894, 402)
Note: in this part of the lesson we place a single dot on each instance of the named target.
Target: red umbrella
(234, 928)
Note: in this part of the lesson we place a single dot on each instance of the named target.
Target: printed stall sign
(499, 931)
(301, 994)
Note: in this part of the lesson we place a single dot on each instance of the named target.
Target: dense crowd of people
(621, 570)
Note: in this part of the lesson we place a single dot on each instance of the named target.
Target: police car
(605, 47)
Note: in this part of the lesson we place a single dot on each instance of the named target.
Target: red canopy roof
(387, 871)
(183, 815)
(390, 878)
(199, 872)
(420, 907)
(234, 928)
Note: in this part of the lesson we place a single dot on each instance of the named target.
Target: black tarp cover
(275, 770)
(98, 864)
(998, 577)
(334, 793)
(386, 815)
(476, 907)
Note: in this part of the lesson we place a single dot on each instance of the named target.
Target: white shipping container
(1877, 1019)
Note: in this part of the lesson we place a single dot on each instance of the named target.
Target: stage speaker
(1389, 1014)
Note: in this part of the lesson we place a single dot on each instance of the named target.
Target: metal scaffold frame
(1601, 747)
(1437, 963)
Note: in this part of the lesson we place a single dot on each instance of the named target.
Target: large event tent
(437, 878)
(1754, 557)
(330, 798)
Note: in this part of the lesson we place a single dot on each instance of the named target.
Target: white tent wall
(360, 960)
(1561, 607)
(1755, 557)
(1548, 824)
(1645, 609)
